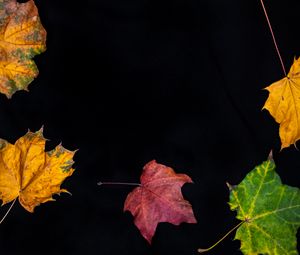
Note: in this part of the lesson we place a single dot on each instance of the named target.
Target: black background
(128, 81)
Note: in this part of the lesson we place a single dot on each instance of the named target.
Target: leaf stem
(228, 233)
(273, 37)
(9, 209)
(119, 183)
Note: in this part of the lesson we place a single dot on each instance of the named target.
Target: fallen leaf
(30, 173)
(270, 211)
(283, 104)
(22, 36)
(159, 199)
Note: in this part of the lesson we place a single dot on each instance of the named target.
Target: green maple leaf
(270, 211)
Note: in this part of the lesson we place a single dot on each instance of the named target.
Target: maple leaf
(159, 199)
(270, 211)
(283, 104)
(30, 173)
(22, 36)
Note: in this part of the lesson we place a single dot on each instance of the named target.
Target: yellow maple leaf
(283, 104)
(29, 173)
(22, 36)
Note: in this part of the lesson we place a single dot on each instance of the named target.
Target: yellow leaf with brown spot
(29, 173)
(283, 104)
(22, 36)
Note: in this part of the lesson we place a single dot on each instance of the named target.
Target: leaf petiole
(9, 209)
(119, 183)
(273, 37)
(200, 250)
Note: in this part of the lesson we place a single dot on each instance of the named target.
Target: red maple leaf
(159, 199)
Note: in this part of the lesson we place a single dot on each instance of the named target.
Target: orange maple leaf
(22, 36)
(283, 104)
(29, 173)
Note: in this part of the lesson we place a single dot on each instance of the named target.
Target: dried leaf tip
(270, 157)
(230, 187)
(2, 143)
(201, 250)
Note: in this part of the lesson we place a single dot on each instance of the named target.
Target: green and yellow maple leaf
(270, 212)
(22, 36)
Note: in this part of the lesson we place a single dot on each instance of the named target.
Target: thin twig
(273, 36)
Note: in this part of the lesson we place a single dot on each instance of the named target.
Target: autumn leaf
(270, 211)
(22, 36)
(159, 199)
(283, 104)
(29, 173)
